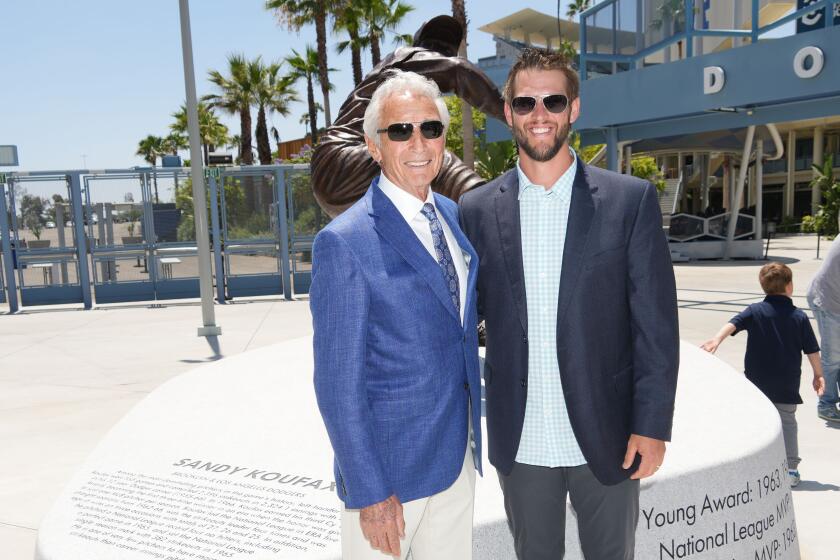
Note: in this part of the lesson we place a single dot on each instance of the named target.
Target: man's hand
(819, 385)
(383, 525)
(652, 452)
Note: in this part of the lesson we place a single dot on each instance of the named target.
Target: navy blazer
(617, 331)
(395, 369)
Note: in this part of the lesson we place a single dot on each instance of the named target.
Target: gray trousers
(787, 412)
(535, 503)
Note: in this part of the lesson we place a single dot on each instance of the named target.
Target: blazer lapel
(394, 230)
(581, 214)
(466, 247)
(507, 217)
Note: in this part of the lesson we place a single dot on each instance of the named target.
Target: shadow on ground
(814, 486)
(708, 263)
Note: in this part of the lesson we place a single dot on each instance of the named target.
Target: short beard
(546, 154)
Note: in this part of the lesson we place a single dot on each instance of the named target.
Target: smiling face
(413, 164)
(541, 133)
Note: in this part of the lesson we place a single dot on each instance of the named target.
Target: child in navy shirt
(778, 334)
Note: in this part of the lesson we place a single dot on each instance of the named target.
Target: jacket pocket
(407, 407)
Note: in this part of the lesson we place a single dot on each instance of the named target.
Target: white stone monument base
(231, 461)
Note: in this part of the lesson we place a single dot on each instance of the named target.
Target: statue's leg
(342, 170)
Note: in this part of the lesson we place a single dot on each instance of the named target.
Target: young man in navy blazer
(396, 343)
(577, 292)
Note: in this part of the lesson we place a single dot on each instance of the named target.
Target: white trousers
(436, 528)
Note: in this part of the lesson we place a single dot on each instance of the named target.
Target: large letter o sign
(817, 62)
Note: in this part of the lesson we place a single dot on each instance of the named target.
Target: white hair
(401, 82)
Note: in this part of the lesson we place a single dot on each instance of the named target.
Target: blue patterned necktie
(444, 257)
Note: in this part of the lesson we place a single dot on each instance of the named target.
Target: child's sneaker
(794, 478)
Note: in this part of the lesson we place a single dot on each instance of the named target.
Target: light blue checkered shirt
(547, 437)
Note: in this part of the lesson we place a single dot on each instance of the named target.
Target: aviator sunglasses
(554, 103)
(400, 132)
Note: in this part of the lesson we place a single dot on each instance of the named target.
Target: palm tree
(381, 16)
(211, 131)
(235, 141)
(306, 66)
(349, 18)
(173, 142)
(576, 7)
(459, 12)
(304, 118)
(296, 14)
(274, 94)
(828, 215)
(149, 148)
(238, 95)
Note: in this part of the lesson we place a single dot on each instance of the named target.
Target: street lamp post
(202, 236)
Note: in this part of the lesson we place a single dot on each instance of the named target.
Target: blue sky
(96, 76)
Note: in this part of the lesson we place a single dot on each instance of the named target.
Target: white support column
(60, 220)
(704, 180)
(628, 159)
(739, 191)
(818, 156)
(790, 183)
(759, 187)
(726, 190)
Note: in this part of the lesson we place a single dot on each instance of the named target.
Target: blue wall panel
(124, 292)
(756, 75)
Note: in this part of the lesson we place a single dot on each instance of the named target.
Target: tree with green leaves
(495, 158)
(459, 12)
(644, 167)
(275, 92)
(174, 142)
(349, 19)
(455, 131)
(150, 148)
(380, 18)
(210, 129)
(298, 13)
(305, 66)
(238, 94)
(32, 210)
(576, 7)
(827, 220)
(304, 117)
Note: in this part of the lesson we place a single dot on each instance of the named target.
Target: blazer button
(525, 339)
(523, 382)
(467, 386)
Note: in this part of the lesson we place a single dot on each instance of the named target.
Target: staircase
(669, 198)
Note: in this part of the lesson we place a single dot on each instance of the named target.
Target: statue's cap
(442, 33)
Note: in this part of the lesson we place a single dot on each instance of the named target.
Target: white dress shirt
(409, 207)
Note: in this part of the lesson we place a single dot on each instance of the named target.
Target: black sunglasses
(554, 103)
(400, 132)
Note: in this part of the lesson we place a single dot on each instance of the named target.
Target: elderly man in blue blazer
(577, 291)
(396, 346)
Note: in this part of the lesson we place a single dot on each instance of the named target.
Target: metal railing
(602, 25)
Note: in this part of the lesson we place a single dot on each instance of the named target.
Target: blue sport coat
(617, 331)
(395, 370)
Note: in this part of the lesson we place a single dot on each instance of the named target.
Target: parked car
(49, 225)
